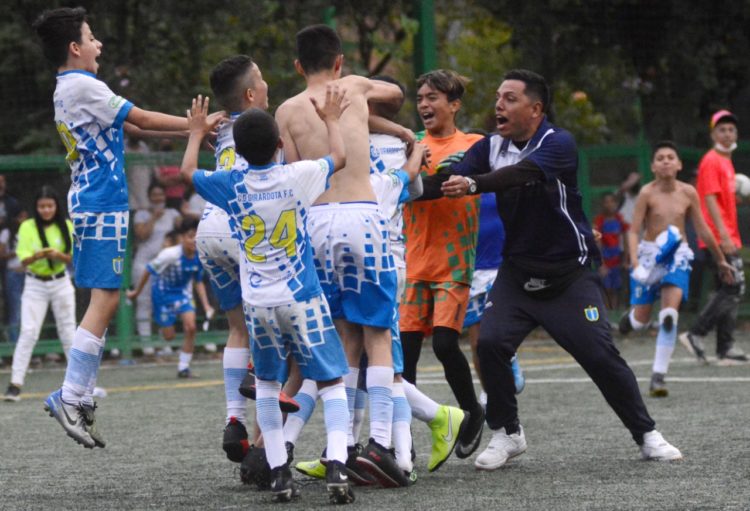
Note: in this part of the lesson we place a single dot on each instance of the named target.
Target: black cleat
(471, 434)
(337, 483)
(89, 419)
(235, 442)
(254, 468)
(381, 464)
(247, 387)
(283, 487)
(13, 393)
(357, 475)
(625, 326)
(694, 344)
(658, 387)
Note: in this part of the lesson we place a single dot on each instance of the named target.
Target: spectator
(8, 204)
(627, 193)
(14, 275)
(168, 176)
(139, 174)
(613, 227)
(151, 227)
(192, 206)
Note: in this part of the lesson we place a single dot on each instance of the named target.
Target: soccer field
(164, 445)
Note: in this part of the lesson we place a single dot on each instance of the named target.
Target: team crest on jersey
(117, 264)
(592, 313)
(115, 102)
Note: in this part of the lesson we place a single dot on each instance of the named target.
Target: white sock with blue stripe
(270, 420)
(306, 397)
(350, 382)
(88, 398)
(665, 340)
(379, 389)
(423, 408)
(336, 413)
(235, 368)
(360, 402)
(401, 427)
(83, 365)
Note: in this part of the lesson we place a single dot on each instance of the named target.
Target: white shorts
(220, 258)
(353, 261)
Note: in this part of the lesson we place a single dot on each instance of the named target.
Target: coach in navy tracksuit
(545, 278)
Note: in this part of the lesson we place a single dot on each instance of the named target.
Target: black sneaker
(733, 357)
(337, 483)
(471, 435)
(235, 442)
(694, 344)
(658, 387)
(624, 325)
(381, 464)
(89, 420)
(186, 374)
(13, 393)
(283, 487)
(358, 475)
(254, 468)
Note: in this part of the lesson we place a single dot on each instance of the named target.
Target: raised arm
(330, 113)
(200, 124)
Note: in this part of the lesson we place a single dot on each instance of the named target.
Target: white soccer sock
(360, 403)
(336, 413)
(88, 397)
(665, 342)
(235, 368)
(306, 398)
(379, 389)
(637, 325)
(270, 420)
(83, 365)
(422, 407)
(184, 361)
(350, 382)
(401, 427)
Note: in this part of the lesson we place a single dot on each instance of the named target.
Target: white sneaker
(99, 392)
(501, 448)
(166, 351)
(149, 351)
(656, 448)
(210, 347)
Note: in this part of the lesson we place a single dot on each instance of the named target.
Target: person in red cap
(716, 188)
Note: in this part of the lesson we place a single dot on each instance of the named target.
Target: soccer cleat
(501, 448)
(470, 436)
(13, 393)
(655, 448)
(186, 374)
(235, 442)
(733, 357)
(381, 464)
(254, 468)
(70, 417)
(694, 344)
(283, 487)
(518, 378)
(90, 420)
(286, 403)
(658, 388)
(337, 483)
(247, 386)
(624, 325)
(411, 477)
(445, 428)
(357, 474)
(314, 469)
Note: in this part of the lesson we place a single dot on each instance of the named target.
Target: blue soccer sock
(336, 413)
(235, 368)
(83, 366)
(269, 418)
(306, 398)
(401, 427)
(379, 389)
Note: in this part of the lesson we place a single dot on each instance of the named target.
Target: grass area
(164, 445)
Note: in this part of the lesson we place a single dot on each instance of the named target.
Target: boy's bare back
(667, 203)
(305, 136)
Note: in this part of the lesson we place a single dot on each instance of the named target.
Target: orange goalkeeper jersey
(441, 235)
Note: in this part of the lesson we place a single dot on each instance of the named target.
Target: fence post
(124, 317)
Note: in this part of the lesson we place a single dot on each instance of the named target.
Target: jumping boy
(176, 271)
(90, 119)
(285, 308)
(661, 261)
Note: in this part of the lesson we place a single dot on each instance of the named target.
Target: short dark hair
(187, 224)
(536, 85)
(664, 144)
(57, 28)
(230, 79)
(317, 48)
(450, 83)
(256, 136)
(388, 110)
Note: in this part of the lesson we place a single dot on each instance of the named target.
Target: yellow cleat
(445, 428)
(311, 469)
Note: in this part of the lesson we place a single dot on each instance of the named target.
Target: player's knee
(445, 343)
(668, 318)
(189, 328)
(168, 334)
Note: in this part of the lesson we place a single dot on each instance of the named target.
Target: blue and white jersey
(391, 190)
(544, 220)
(173, 273)
(89, 119)
(387, 152)
(269, 206)
(215, 221)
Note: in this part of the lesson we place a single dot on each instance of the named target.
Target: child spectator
(612, 244)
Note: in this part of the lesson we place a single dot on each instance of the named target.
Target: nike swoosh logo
(534, 286)
(67, 417)
(449, 436)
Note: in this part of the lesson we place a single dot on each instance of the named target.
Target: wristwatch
(472, 185)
